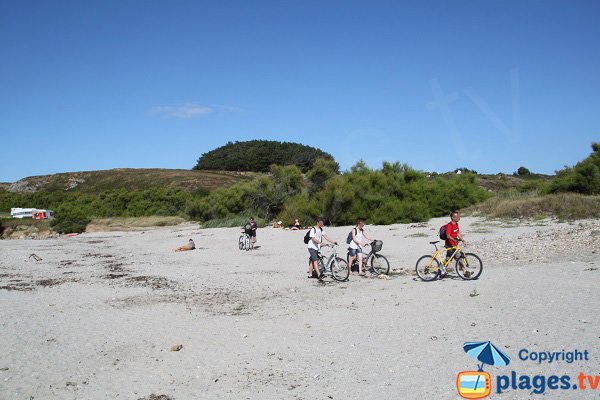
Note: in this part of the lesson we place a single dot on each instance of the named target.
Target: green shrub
(583, 178)
(69, 220)
(302, 208)
(322, 171)
(232, 222)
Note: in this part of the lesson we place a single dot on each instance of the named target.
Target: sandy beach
(99, 315)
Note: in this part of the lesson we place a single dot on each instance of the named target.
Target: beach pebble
(176, 347)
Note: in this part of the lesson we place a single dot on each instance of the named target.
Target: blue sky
(488, 85)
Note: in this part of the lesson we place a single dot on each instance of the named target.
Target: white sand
(96, 318)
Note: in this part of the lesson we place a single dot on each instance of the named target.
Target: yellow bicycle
(468, 265)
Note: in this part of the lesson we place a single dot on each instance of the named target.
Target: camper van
(22, 212)
(31, 213)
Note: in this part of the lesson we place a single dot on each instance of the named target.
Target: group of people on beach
(359, 239)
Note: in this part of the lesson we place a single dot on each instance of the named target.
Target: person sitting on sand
(190, 246)
(296, 225)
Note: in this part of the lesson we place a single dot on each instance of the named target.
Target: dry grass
(113, 224)
(17, 227)
(566, 206)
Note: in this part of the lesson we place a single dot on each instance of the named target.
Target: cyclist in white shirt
(317, 235)
(355, 249)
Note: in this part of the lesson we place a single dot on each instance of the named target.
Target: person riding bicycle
(453, 235)
(317, 234)
(355, 249)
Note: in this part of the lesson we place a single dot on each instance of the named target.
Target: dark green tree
(259, 155)
(522, 171)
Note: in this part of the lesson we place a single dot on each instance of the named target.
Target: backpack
(442, 233)
(349, 238)
(307, 236)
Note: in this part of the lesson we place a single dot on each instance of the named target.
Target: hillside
(128, 178)
(189, 180)
(501, 182)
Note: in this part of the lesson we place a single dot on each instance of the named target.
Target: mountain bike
(244, 241)
(333, 266)
(468, 265)
(379, 264)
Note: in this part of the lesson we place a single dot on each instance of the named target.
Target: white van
(22, 212)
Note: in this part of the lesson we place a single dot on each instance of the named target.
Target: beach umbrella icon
(486, 353)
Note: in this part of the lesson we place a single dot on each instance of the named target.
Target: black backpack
(307, 236)
(349, 238)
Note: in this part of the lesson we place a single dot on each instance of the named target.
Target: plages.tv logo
(478, 384)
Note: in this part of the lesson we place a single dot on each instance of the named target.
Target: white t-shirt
(318, 233)
(358, 236)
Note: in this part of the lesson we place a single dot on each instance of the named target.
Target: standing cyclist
(355, 249)
(453, 235)
(317, 234)
(253, 228)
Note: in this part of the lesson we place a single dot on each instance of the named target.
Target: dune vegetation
(394, 193)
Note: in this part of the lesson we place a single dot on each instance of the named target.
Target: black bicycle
(333, 266)
(379, 264)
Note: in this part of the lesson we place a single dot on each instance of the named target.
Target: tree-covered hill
(259, 155)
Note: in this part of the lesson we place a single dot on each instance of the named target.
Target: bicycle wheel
(322, 269)
(241, 243)
(380, 264)
(339, 268)
(469, 266)
(428, 268)
(247, 242)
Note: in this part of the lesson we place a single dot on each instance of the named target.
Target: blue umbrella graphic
(487, 353)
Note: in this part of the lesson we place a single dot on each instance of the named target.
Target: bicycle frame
(438, 254)
(468, 265)
(366, 257)
(322, 258)
(333, 266)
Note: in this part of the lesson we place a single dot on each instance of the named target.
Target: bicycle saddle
(434, 242)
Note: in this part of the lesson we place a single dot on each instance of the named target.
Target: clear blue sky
(489, 85)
